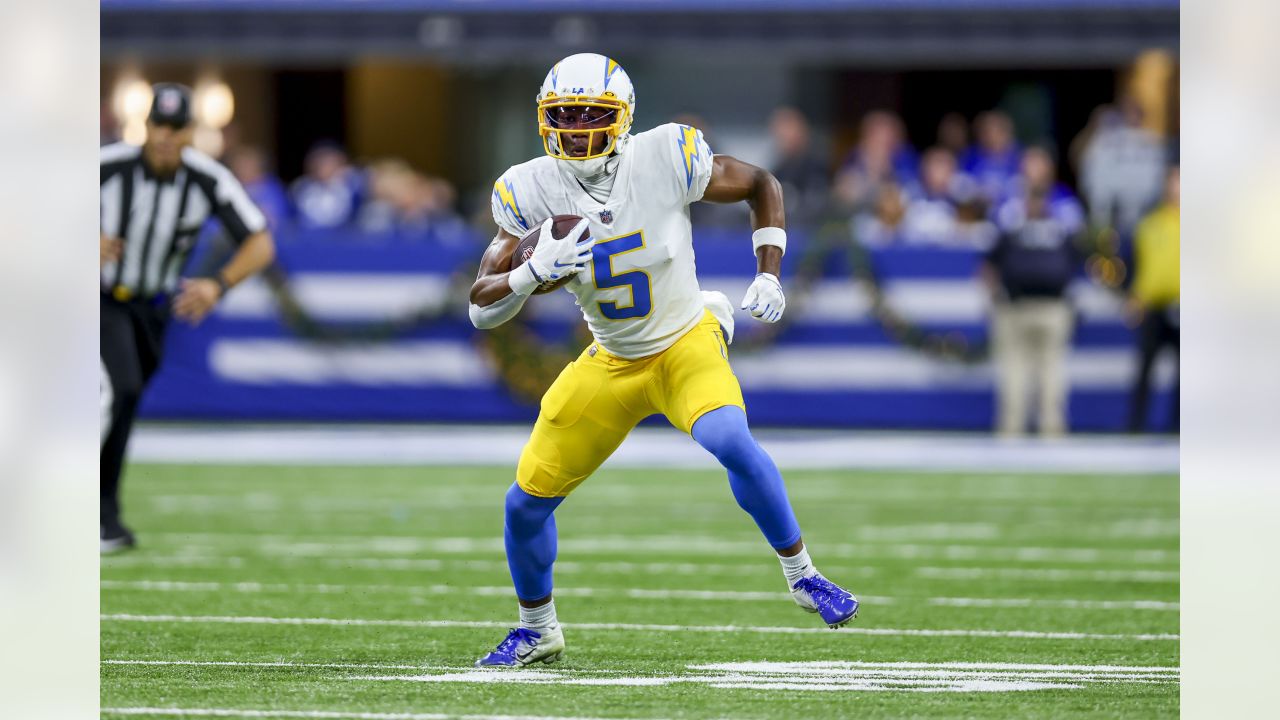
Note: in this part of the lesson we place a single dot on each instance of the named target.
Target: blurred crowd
(977, 187)
(972, 181)
(386, 197)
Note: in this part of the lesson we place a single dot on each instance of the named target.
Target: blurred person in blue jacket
(1038, 172)
(329, 194)
(881, 156)
(1028, 272)
(993, 161)
(249, 165)
(931, 217)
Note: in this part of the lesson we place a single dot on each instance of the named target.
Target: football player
(661, 344)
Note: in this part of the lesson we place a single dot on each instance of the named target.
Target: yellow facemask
(555, 139)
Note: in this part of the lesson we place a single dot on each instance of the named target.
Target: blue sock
(530, 536)
(755, 480)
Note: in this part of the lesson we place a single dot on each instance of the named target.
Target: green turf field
(367, 592)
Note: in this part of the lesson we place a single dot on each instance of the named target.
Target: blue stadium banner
(387, 339)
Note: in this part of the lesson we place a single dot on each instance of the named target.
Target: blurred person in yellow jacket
(1153, 302)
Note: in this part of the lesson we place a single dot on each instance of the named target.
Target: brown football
(561, 225)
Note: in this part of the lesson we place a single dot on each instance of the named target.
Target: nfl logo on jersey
(606, 216)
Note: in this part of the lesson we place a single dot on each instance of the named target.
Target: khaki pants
(1029, 339)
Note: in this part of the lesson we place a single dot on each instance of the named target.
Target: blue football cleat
(523, 646)
(836, 605)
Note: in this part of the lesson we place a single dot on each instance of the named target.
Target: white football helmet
(585, 107)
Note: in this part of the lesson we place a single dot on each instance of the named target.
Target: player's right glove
(554, 259)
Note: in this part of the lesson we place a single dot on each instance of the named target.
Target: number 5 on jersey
(637, 280)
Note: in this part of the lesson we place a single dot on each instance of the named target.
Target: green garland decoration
(527, 364)
(302, 324)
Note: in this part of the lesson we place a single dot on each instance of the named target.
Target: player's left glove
(764, 299)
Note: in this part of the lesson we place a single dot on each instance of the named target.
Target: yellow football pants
(598, 398)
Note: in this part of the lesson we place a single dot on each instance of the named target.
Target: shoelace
(819, 588)
(515, 636)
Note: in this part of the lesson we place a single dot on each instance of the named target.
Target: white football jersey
(640, 293)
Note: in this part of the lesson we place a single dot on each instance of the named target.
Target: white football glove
(764, 299)
(555, 259)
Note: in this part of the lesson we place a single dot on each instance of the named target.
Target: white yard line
(633, 593)
(673, 544)
(1048, 574)
(570, 567)
(778, 667)
(647, 448)
(820, 676)
(328, 715)
(833, 676)
(455, 564)
(361, 622)
(821, 665)
(1057, 603)
(324, 666)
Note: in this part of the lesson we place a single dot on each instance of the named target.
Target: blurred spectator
(388, 185)
(1155, 295)
(931, 213)
(797, 166)
(1038, 170)
(408, 204)
(249, 165)
(881, 156)
(881, 226)
(993, 161)
(973, 229)
(953, 133)
(1121, 168)
(1039, 173)
(328, 195)
(428, 212)
(1028, 271)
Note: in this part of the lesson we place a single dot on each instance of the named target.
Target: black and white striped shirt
(159, 218)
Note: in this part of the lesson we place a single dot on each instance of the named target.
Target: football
(560, 226)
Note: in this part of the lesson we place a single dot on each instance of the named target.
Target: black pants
(131, 338)
(1158, 330)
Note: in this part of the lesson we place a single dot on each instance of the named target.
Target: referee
(155, 199)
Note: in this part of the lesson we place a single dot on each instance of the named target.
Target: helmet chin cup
(586, 168)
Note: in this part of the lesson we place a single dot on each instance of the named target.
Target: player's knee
(724, 433)
(527, 513)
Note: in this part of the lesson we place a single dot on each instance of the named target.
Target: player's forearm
(769, 260)
(496, 313)
(765, 201)
(490, 289)
(255, 254)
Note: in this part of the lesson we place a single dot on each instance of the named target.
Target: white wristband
(776, 237)
(522, 280)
